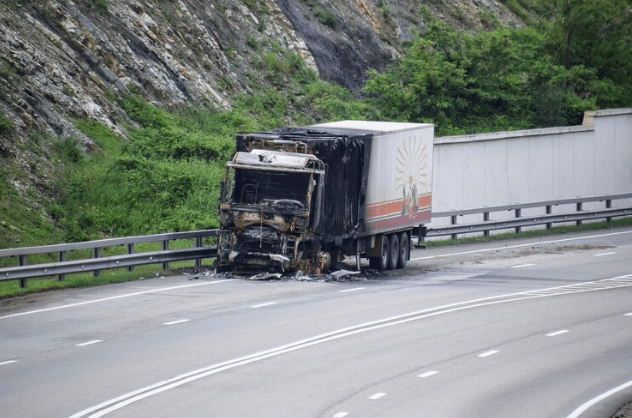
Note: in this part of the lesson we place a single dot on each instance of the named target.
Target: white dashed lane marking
(428, 374)
(341, 414)
(604, 254)
(523, 265)
(355, 289)
(89, 343)
(488, 353)
(5, 363)
(556, 333)
(377, 396)
(137, 395)
(179, 321)
(262, 305)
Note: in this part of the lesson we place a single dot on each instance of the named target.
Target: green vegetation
(21, 224)
(87, 279)
(99, 4)
(163, 179)
(12, 288)
(164, 175)
(5, 124)
(323, 15)
(508, 79)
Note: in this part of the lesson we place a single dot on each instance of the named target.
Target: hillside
(65, 65)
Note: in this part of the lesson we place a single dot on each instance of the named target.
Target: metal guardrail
(98, 263)
(198, 251)
(521, 221)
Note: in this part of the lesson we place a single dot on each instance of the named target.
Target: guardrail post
(22, 261)
(96, 254)
(486, 219)
(579, 209)
(453, 222)
(198, 244)
(165, 247)
(548, 212)
(608, 206)
(130, 250)
(62, 258)
(518, 229)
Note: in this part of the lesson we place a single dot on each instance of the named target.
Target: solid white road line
(510, 247)
(377, 396)
(488, 353)
(4, 363)
(598, 399)
(556, 333)
(88, 302)
(428, 374)
(126, 399)
(89, 343)
(179, 321)
(603, 254)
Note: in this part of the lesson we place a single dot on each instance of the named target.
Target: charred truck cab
(299, 198)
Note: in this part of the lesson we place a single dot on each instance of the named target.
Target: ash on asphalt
(341, 275)
(625, 412)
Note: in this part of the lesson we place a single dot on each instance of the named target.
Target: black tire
(404, 250)
(381, 263)
(393, 255)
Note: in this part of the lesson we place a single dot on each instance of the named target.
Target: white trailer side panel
(399, 188)
(399, 192)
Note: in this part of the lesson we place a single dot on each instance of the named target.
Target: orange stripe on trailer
(398, 222)
(384, 208)
(392, 207)
(424, 201)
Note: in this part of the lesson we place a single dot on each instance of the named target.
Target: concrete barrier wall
(504, 168)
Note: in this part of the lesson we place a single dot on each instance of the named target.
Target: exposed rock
(65, 58)
(62, 59)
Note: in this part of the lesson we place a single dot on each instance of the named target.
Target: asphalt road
(522, 328)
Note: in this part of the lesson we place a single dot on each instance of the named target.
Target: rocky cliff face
(63, 60)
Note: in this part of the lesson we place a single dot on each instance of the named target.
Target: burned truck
(304, 198)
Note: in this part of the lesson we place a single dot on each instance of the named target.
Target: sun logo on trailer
(411, 171)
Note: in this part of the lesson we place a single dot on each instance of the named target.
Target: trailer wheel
(394, 254)
(404, 250)
(381, 263)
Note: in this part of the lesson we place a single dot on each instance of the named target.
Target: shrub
(5, 124)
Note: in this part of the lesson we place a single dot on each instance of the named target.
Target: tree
(596, 34)
(487, 81)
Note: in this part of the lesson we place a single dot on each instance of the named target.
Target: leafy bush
(5, 124)
(488, 81)
(100, 133)
(325, 17)
(69, 150)
(164, 178)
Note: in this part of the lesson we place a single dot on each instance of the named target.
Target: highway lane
(482, 370)
(137, 335)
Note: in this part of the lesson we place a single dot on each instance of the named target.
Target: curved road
(523, 328)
